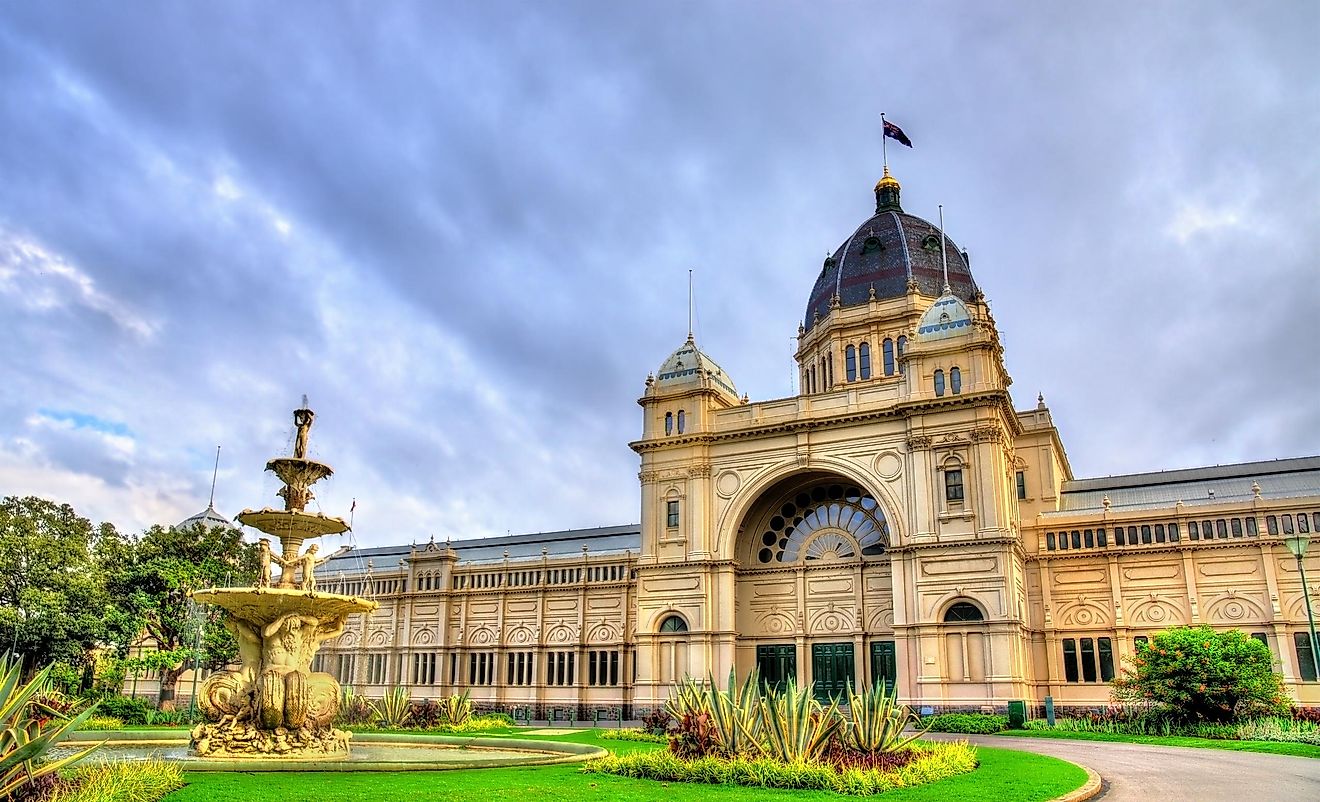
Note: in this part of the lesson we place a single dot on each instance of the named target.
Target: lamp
(1297, 546)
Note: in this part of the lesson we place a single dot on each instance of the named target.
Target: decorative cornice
(988, 434)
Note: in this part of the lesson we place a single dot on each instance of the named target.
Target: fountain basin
(295, 523)
(371, 752)
(265, 605)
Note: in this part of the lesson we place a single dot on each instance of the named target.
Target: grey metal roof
(487, 550)
(207, 517)
(1282, 478)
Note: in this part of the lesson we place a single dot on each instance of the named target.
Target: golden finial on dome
(887, 180)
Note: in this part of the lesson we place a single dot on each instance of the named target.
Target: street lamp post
(1297, 546)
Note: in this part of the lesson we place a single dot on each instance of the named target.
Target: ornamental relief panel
(1084, 612)
(881, 620)
(520, 636)
(423, 637)
(481, 636)
(776, 622)
(603, 632)
(1227, 570)
(561, 632)
(378, 638)
(1234, 607)
(1156, 611)
(831, 619)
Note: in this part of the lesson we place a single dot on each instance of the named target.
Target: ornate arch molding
(741, 505)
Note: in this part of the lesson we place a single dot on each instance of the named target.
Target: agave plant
(28, 729)
(392, 709)
(688, 698)
(796, 728)
(456, 709)
(876, 721)
(735, 714)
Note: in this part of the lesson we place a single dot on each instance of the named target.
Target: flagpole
(944, 254)
(884, 146)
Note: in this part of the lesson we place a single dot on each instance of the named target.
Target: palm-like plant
(796, 728)
(28, 729)
(456, 709)
(735, 713)
(392, 709)
(875, 721)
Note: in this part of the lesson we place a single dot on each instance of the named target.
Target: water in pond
(360, 753)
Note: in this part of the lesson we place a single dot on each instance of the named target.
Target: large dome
(883, 254)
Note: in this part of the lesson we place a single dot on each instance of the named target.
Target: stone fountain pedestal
(273, 704)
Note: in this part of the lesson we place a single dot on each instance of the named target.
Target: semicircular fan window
(792, 532)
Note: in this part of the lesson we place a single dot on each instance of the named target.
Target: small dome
(947, 317)
(689, 365)
(208, 518)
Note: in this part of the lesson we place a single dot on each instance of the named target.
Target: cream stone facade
(897, 521)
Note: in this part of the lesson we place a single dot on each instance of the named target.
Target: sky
(464, 232)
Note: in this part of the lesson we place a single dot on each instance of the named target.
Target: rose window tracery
(832, 520)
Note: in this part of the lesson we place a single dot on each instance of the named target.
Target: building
(897, 521)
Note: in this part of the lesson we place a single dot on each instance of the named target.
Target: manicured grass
(1004, 776)
(1266, 747)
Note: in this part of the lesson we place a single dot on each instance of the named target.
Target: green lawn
(1004, 776)
(1267, 747)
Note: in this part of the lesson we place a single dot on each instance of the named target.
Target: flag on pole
(894, 132)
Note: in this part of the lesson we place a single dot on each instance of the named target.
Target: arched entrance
(815, 586)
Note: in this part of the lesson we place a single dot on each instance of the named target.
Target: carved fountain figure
(274, 705)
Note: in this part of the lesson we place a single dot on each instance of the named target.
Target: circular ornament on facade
(1084, 617)
(1156, 613)
(888, 465)
(727, 483)
(1234, 610)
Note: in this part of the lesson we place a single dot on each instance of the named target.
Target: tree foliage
(1198, 674)
(165, 564)
(53, 600)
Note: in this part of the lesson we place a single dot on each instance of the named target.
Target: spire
(690, 306)
(214, 473)
(886, 194)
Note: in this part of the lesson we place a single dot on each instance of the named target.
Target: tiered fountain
(274, 705)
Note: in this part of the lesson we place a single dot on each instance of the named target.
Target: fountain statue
(273, 704)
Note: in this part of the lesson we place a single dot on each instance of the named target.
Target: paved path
(1140, 773)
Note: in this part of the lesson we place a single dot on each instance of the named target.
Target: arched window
(850, 363)
(902, 349)
(955, 380)
(939, 382)
(673, 624)
(962, 612)
(682, 421)
(669, 423)
(864, 356)
(887, 350)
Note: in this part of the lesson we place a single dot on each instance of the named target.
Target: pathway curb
(1094, 785)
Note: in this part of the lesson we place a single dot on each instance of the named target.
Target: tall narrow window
(902, 349)
(939, 382)
(1021, 485)
(1088, 660)
(953, 485)
(850, 363)
(1106, 650)
(955, 380)
(1069, 660)
(682, 421)
(669, 423)
(864, 360)
(1305, 656)
(671, 514)
(887, 353)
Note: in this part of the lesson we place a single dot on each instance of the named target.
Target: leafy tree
(53, 600)
(1198, 674)
(164, 566)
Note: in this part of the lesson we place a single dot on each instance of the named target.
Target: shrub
(794, 728)
(424, 715)
(1199, 674)
(456, 709)
(633, 735)
(967, 723)
(932, 762)
(483, 723)
(875, 722)
(103, 723)
(657, 721)
(1311, 714)
(138, 781)
(125, 708)
(1279, 729)
(354, 710)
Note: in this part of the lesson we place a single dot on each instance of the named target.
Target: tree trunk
(169, 680)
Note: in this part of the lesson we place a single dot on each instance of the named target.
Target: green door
(884, 665)
(776, 663)
(831, 669)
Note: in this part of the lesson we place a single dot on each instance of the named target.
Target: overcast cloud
(465, 232)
